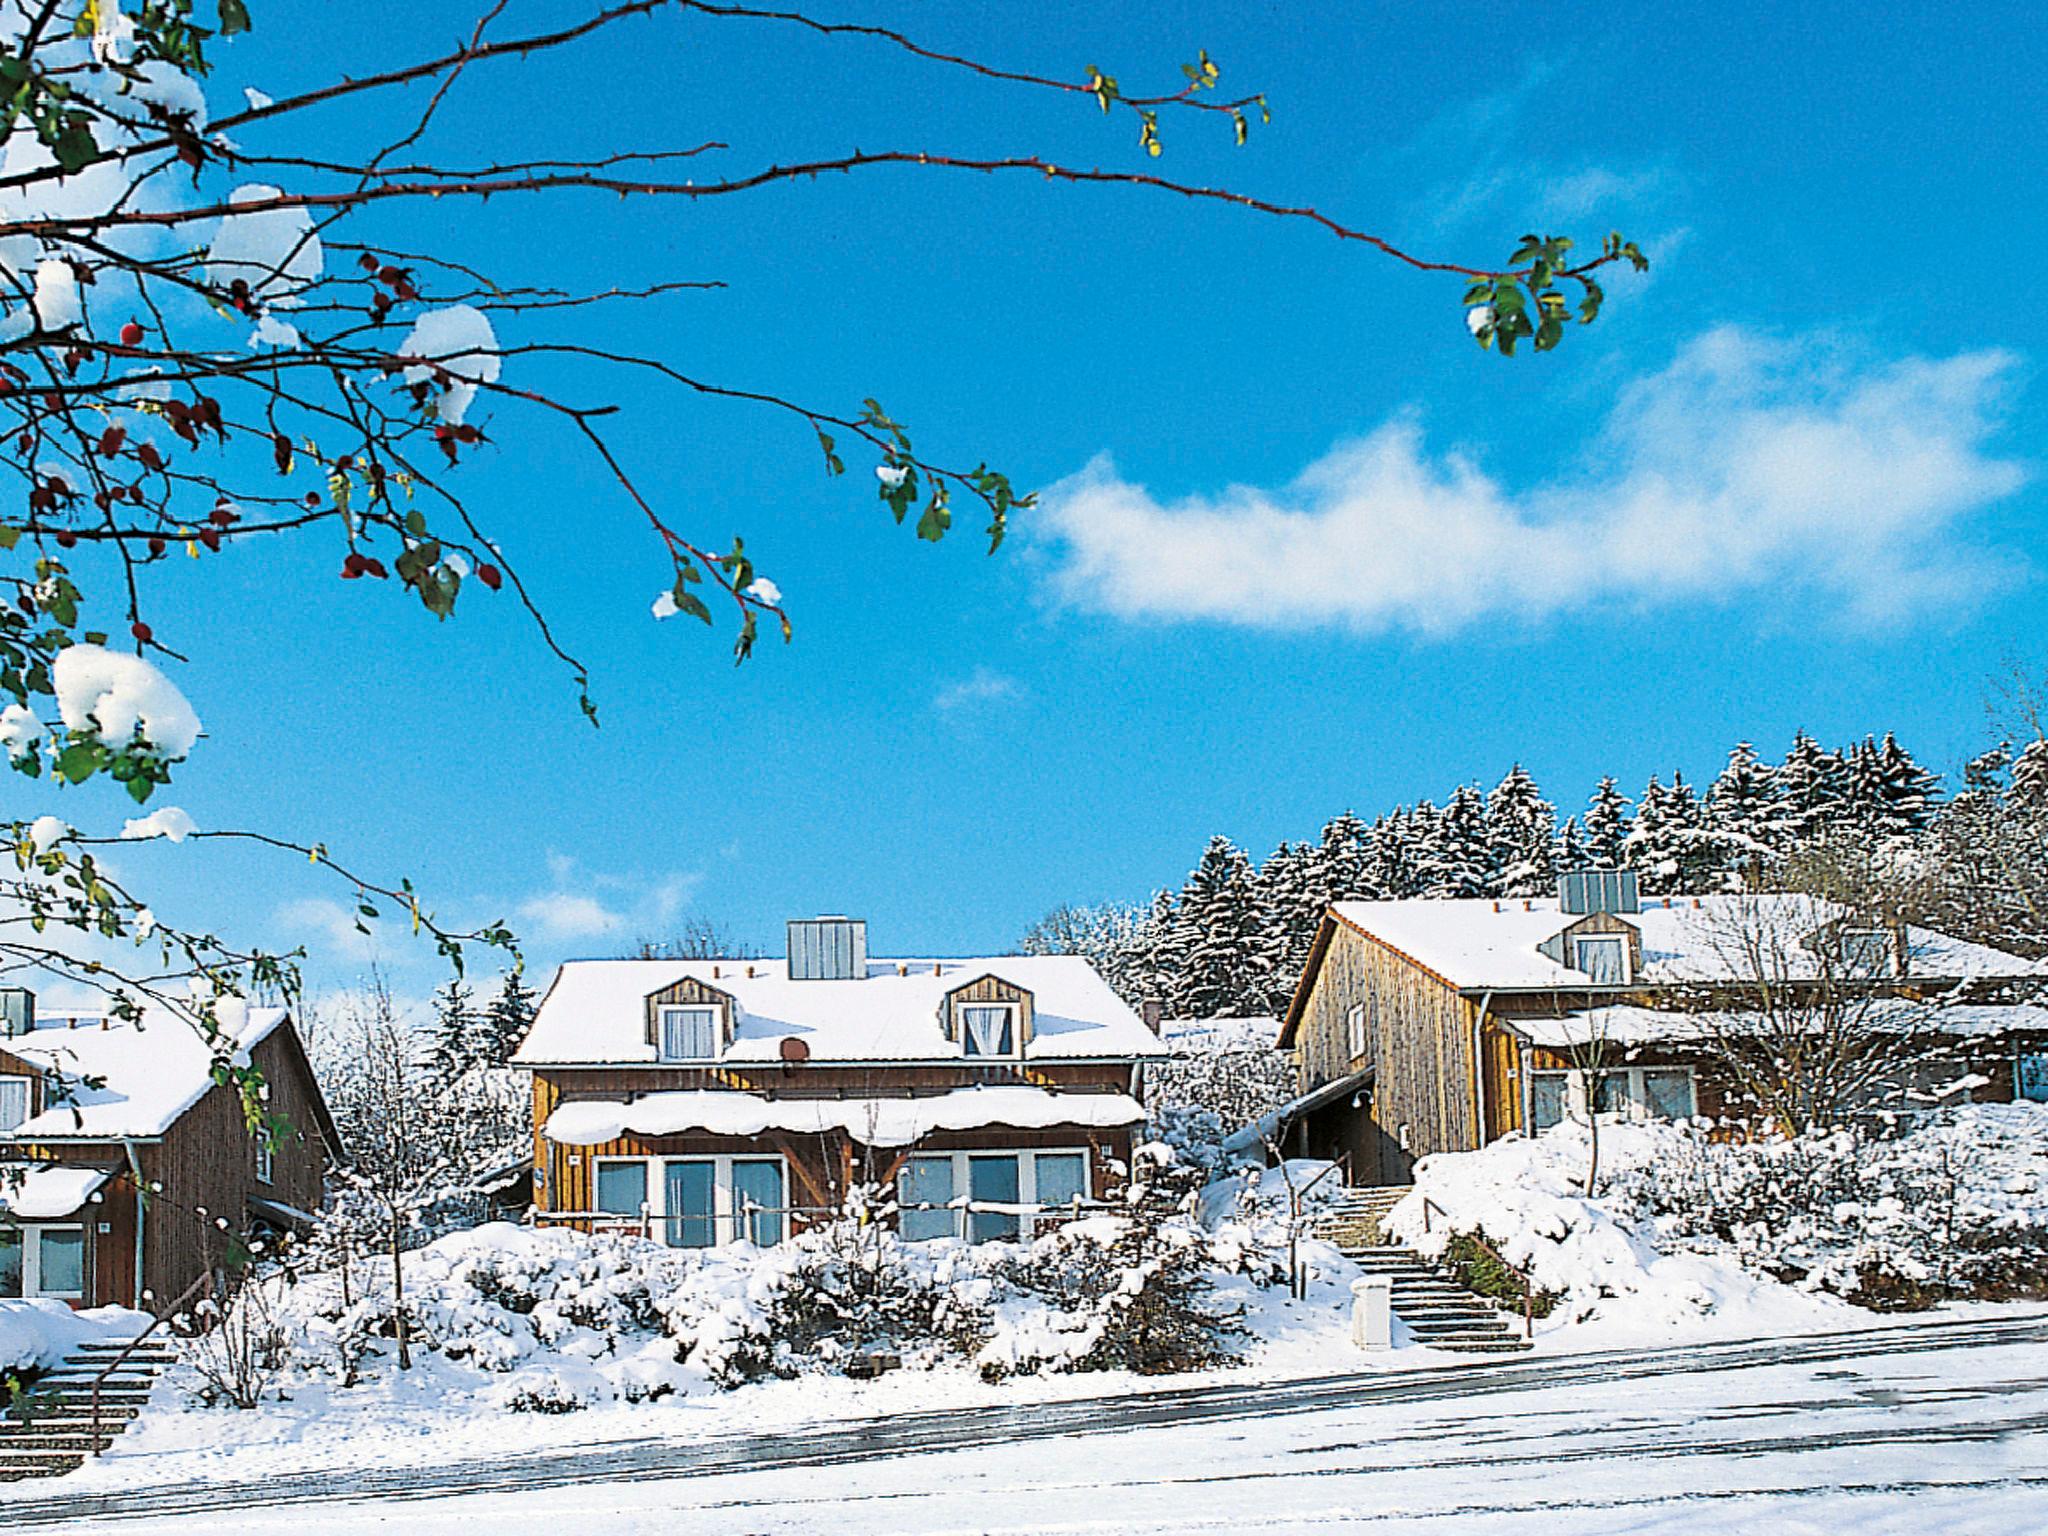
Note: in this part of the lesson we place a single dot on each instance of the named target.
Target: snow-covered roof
(1483, 943)
(150, 1071)
(875, 1122)
(595, 1012)
(1236, 1032)
(1628, 1025)
(46, 1191)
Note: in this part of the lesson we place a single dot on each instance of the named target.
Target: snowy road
(1936, 1426)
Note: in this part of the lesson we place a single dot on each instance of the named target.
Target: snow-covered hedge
(1953, 1204)
(568, 1320)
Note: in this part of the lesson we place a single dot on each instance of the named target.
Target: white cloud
(569, 915)
(985, 686)
(588, 904)
(1747, 467)
(333, 924)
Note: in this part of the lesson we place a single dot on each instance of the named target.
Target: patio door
(757, 1200)
(993, 1179)
(692, 1189)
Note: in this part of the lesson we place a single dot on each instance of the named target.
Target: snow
(169, 821)
(273, 250)
(1630, 1025)
(1248, 1032)
(113, 695)
(56, 297)
(20, 730)
(1483, 943)
(457, 341)
(762, 590)
(46, 1191)
(37, 1334)
(665, 605)
(48, 831)
(875, 1122)
(595, 1012)
(151, 1072)
(1478, 318)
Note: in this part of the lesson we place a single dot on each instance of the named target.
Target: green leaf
(692, 604)
(234, 17)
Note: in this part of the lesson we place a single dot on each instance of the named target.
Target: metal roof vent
(17, 1012)
(828, 949)
(1598, 890)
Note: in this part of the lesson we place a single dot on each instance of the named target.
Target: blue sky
(1329, 554)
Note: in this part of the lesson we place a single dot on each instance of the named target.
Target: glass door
(757, 1183)
(691, 1190)
(993, 1179)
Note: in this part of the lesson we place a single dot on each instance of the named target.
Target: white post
(1372, 1312)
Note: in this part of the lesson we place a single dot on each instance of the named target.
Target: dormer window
(988, 1029)
(1603, 957)
(14, 1102)
(689, 1034)
(1866, 952)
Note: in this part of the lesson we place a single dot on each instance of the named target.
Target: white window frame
(1578, 1093)
(1620, 940)
(665, 1011)
(725, 1220)
(32, 1259)
(1027, 1180)
(1354, 1030)
(28, 1100)
(1887, 962)
(1016, 1031)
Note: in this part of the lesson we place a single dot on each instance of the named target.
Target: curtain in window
(987, 1030)
(621, 1188)
(757, 1182)
(63, 1263)
(993, 1179)
(925, 1181)
(689, 1034)
(690, 1193)
(13, 1102)
(1601, 960)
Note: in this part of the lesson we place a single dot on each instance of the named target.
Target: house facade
(1437, 1026)
(126, 1171)
(705, 1102)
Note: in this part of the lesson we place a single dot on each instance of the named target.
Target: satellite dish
(794, 1051)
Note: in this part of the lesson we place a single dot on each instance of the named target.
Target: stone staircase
(1438, 1311)
(50, 1431)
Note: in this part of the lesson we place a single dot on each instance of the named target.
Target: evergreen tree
(1607, 826)
(1811, 791)
(507, 1020)
(457, 1032)
(2030, 777)
(1452, 858)
(1911, 795)
(1340, 861)
(1521, 835)
(1233, 954)
(1651, 848)
(1570, 852)
(1292, 895)
(1741, 816)
(1388, 869)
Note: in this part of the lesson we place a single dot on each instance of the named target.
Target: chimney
(1152, 1012)
(17, 1011)
(1581, 891)
(831, 948)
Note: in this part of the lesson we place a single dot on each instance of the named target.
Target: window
(1549, 1093)
(1866, 952)
(266, 1159)
(1604, 958)
(622, 1188)
(42, 1261)
(929, 1186)
(14, 1100)
(689, 1034)
(987, 1029)
(1354, 1030)
(757, 1200)
(1667, 1093)
(1640, 1093)
(692, 1209)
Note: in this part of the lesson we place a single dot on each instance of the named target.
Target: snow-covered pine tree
(2029, 790)
(1607, 825)
(1650, 848)
(1291, 895)
(1812, 789)
(1570, 850)
(1741, 816)
(1521, 835)
(1233, 956)
(1911, 794)
(1388, 868)
(1452, 858)
(507, 1020)
(458, 1037)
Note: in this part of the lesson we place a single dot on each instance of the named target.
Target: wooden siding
(689, 993)
(988, 989)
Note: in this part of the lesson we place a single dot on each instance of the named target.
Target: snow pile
(170, 821)
(275, 251)
(37, 1334)
(459, 353)
(118, 697)
(1760, 1236)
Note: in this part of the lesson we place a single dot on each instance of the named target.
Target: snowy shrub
(238, 1351)
(559, 1386)
(1223, 1074)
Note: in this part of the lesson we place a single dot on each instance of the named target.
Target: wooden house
(705, 1102)
(95, 1109)
(1438, 1026)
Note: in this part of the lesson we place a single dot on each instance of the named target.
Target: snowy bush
(1223, 1074)
(1951, 1205)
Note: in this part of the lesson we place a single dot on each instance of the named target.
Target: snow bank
(38, 1334)
(1760, 1238)
(114, 695)
(874, 1122)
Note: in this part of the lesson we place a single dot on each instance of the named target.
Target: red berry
(156, 545)
(141, 631)
(490, 576)
(131, 334)
(66, 539)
